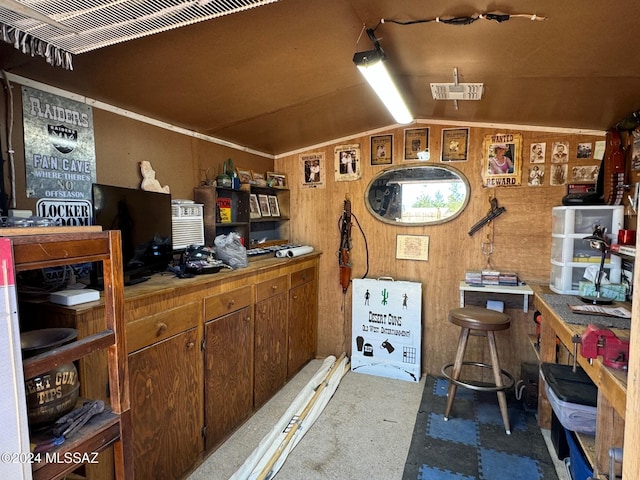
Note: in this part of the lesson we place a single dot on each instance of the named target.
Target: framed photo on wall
(416, 144)
(312, 169)
(502, 159)
(381, 150)
(347, 162)
(455, 144)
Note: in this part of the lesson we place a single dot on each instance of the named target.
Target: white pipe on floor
(267, 459)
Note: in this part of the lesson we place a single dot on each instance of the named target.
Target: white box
(74, 297)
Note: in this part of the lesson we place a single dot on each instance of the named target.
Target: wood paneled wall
(521, 241)
(121, 143)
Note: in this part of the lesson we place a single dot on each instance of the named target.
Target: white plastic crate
(571, 254)
(565, 279)
(568, 220)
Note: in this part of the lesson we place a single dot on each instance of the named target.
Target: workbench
(611, 383)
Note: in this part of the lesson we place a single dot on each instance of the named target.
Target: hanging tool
(344, 259)
(493, 213)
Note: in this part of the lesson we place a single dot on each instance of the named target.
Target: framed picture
(258, 179)
(455, 144)
(416, 144)
(273, 206)
(381, 150)
(277, 180)
(502, 159)
(263, 200)
(312, 170)
(254, 207)
(412, 247)
(244, 175)
(347, 162)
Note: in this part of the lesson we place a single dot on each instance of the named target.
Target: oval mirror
(417, 195)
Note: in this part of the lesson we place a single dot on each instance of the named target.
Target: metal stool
(482, 322)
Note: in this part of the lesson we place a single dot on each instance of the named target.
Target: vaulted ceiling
(280, 77)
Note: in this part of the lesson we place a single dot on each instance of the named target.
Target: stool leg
(457, 367)
(497, 375)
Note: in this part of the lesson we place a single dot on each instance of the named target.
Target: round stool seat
(478, 318)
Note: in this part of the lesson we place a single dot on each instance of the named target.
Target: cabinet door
(228, 374)
(302, 328)
(270, 347)
(166, 407)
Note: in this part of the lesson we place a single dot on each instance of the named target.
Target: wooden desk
(611, 383)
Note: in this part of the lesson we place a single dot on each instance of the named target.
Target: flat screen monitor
(144, 220)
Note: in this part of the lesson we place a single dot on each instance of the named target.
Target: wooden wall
(521, 242)
(121, 143)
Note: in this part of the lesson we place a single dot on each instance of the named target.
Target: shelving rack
(113, 426)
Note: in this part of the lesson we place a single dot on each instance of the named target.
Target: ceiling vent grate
(79, 26)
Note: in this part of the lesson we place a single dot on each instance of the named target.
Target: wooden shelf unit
(273, 229)
(113, 427)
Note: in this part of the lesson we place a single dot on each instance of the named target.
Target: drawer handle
(304, 276)
(295, 297)
(190, 345)
(231, 303)
(274, 287)
(161, 326)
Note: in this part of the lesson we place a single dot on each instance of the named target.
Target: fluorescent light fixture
(371, 65)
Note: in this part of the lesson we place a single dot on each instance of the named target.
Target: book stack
(473, 278)
(490, 277)
(508, 278)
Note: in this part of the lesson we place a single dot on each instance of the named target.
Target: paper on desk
(618, 311)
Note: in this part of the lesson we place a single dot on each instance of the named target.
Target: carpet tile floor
(473, 444)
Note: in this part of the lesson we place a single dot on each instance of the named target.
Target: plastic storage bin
(582, 219)
(571, 254)
(578, 465)
(573, 397)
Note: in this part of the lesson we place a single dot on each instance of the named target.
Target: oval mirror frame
(444, 192)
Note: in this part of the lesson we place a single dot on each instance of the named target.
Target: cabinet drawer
(272, 287)
(219, 305)
(303, 276)
(154, 328)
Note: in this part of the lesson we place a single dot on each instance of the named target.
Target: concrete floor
(335, 447)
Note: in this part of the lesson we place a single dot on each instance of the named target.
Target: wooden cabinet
(303, 319)
(112, 427)
(270, 344)
(228, 363)
(204, 353)
(165, 395)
